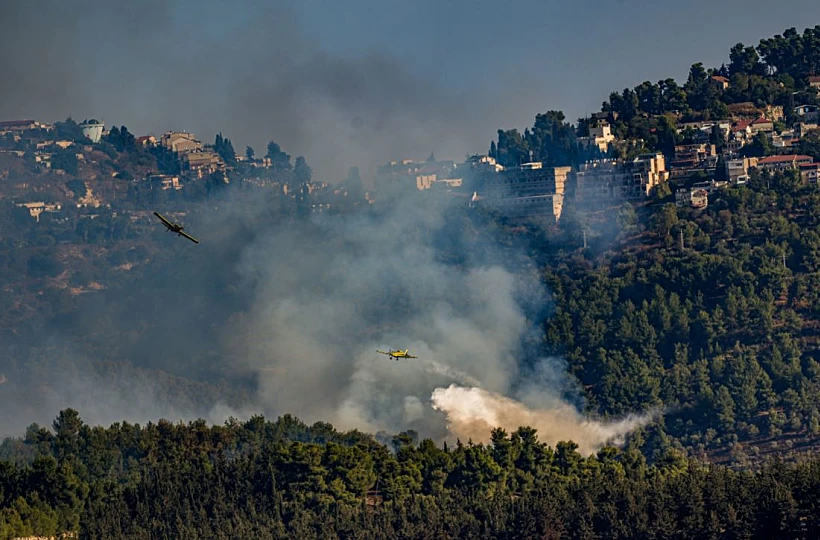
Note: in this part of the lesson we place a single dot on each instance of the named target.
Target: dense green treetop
(285, 479)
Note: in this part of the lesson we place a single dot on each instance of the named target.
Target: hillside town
(605, 170)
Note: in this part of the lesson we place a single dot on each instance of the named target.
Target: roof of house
(761, 120)
(13, 123)
(740, 125)
(814, 78)
(720, 78)
(783, 159)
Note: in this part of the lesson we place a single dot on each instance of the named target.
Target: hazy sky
(363, 81)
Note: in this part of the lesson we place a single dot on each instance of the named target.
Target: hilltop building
(809, 114)
(762, 124)
(648, 171)
(720, 82)
(782, 163)
(693, 158)
(600, 136)
(165, 181)
(603, 181)
(203, 162)
(92, 129)
(695, 197)
(16, 126)
(147, 140)
(180, 142)
(527, 190)
(421, 175)
(737, 170)
(596, 181)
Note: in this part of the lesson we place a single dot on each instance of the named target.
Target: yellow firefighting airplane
(398, 353)
(175, 227)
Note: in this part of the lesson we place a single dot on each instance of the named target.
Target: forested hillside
(284, 479)
(710, 314)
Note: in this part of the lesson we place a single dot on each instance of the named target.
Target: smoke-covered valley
(274, 314)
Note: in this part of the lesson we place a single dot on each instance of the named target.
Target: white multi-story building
(527, 190)
(600, 135)
(598, 181)
(648, 171)
(606, 180)
(737, 170)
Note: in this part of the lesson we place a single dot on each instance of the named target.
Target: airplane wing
(410, 356)
(189, 237)
(382, 352)
(164, 220)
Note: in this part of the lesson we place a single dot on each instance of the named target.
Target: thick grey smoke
(329, 294)
(323, 297)
(300, 308)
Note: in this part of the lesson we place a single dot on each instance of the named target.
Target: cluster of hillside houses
(532, 189)
(197, 161)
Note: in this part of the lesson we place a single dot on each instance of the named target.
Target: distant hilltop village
(534, 189)
(49, 169)
(605, 170)
(663, 142)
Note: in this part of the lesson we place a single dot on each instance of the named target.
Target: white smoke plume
(472, 413)
(447, 371)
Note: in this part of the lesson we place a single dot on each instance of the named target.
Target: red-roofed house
(814, 81)
(780, 163)
(147, 140)
(762, 124)
(742, 125)
(740, 134)
(719, 81)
